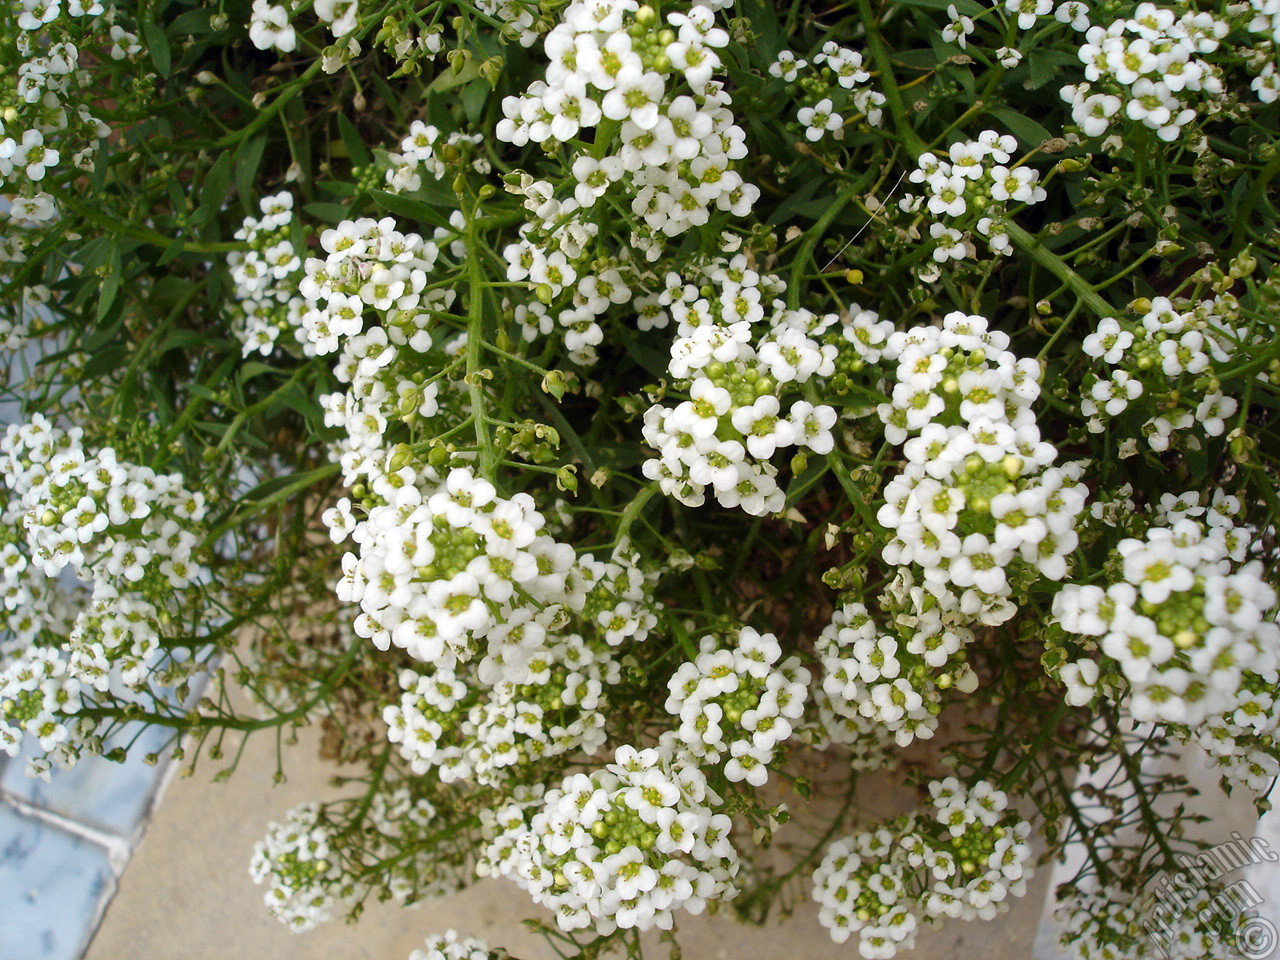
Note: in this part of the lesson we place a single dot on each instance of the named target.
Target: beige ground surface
(187, 894)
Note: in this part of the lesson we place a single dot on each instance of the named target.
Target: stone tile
(53, 888)
(108, 796)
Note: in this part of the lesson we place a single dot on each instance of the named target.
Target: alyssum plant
(590, 412)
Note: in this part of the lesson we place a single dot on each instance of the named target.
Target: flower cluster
(307, 882)
(425, 150)
(1093, 918)
(132, 536)
(621, 848)
(978, 507)
(443, 566)
(266, 301)
(1149, 68)
(1166, 360)
(724, 436)
(974, 186)
(833, 84)
(893, 686)
(1185, 626)
(48, 121)
(447, 946)
(474, 731)
(964, 861)
(737, 703)
(314, 873)
(617, 68)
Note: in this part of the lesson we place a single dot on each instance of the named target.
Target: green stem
(487, 456)
(1059, 268)
(888, 86)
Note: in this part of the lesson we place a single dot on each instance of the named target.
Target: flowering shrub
(599, 417)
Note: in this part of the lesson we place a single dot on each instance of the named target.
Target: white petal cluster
(737, 703)
(836, 88)
(622, 848)
(1149, 69)
(973, 185)
(978, 508)
(367, 301)
(266, 303)
(439, 570)
(447, 946)
(471, 731)
(616, 66)
(49, 125)
(893, 683)
(1188, 628)
(423, 151)
(884, 884)
(1121, 921)
(724, 436)
(307, 882)
(1166, 359)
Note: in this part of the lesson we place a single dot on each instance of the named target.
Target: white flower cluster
(894, 687)
(1185, 628)
(474, 731)
(737, 704)
(1264, 18)
(442, 567)
(270, 26)
(266, 301)
(306, 876)
(965, 861)
(842, 70)
(1167, 359)
(978, 507)
(621, 848)
(1120, 921)
(130, 535)
(368, 302)
(39, 695)
(313, 876)
(616, 67)
(973, 185)
(724, 436)
(1149, 68)
(447, 946)
(48, 118)
(869, 745)
(424, 151)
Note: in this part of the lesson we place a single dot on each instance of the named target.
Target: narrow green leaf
(214, 191)
(1030, 133)
(351, 139)
(158, 47)
(248, 158)
(402, 206)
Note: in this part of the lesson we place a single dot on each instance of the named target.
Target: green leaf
(404, 206)
(328, 212)
(351, 139)
(171, 252)
(214, 191)
(473, 100)
(1030, 133)
(448, 79)
(193, 22)
(248, 158)
(158, 47)
(110, 283)
(255, 369)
